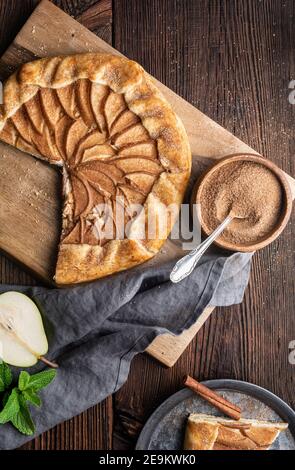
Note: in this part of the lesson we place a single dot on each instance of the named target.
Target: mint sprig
(15, 401)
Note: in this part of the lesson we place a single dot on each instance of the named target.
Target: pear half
(22, 337)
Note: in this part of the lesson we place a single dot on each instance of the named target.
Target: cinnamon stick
(216, 400)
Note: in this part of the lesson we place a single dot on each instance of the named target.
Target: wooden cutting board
(30, 189)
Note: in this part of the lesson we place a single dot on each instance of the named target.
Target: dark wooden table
(233, 59)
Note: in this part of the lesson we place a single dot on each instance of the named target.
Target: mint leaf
(23, 380)
(31, 396)
(14, 402)
(11, 407)
(5, 376)
(22, 420)
(41, 380)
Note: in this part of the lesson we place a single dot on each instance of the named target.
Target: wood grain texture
(168, 349)
(92, 429)
(233, 60)
(48, 32)
(208, 140)
(98, 19)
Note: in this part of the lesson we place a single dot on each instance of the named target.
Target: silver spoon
(187, 264)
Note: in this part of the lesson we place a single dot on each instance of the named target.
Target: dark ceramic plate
(165, 428)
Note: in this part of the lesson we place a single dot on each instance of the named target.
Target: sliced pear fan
(22, 337)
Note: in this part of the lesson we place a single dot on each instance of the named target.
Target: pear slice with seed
(22, 337)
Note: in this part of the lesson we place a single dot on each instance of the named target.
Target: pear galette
(124, 155)
(206, 432)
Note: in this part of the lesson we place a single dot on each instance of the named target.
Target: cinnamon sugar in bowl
(252, 189)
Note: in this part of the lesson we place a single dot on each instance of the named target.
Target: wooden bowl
(286, 210)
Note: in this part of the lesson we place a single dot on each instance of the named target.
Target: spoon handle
(186, 265)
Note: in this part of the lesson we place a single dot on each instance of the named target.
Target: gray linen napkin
(95, 330)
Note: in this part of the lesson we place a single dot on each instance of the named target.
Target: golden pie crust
(100, 118)
(206, 432)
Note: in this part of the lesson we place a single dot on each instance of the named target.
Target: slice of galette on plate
(124, 154)
(206, 432)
